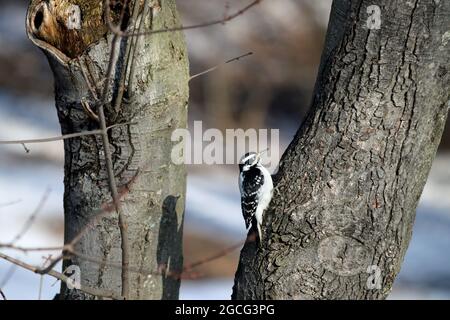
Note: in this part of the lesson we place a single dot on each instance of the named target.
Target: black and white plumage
(256, 186)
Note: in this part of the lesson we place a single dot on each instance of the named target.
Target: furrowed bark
(349, 183)
(152, 188)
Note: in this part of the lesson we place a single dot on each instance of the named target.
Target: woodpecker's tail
(255, 229)
(259, 233)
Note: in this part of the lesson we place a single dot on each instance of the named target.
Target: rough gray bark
(155, 197)
(349, 183)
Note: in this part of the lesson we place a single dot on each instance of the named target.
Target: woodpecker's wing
(252, 181)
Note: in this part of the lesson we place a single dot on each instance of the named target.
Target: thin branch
(106, 210)
(52, 139)
(115, 29)
(186, 272)
(51, 265)
(87, 108)
(3, 205)
(136, 46)
(3, 295)
(224, 20)
(62, 277)
(220, 65)
(91, 86)
(126, 65)
(220, 254)
(66, 136)
(109, 165)
(41, 283)
(69, 250)
(41, 280)
(115, 195)
(8, 276)
(29, 249)
(25, 148)
(117, 265)
(32, 217)
(108, 157)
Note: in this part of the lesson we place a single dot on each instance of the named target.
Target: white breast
(265, 195)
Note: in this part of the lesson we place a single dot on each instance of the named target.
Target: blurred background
(270, 89)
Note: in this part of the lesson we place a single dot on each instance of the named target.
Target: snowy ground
(24, 178)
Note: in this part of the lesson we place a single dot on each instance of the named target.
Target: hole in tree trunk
(38, 19)
(57, 24)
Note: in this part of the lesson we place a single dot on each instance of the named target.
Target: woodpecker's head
(250, 160)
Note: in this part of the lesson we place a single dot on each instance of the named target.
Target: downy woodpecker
(256, 186)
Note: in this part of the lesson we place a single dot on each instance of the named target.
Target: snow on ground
(23, 118)
(216, 289)
(24, 285)
(425, 272)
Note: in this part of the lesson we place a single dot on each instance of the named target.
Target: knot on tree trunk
(72, 26)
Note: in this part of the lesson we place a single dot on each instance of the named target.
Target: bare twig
(29, 249)
(224, 20)
(62, 277)
(51, 265)
(103, 131)
(136, 46)
(131, 44)
(87, 108)
(25, 148)
(220, 65)
(91, 86)
(41, 280)
(118, 33)
(8, 276)
(115, 195)
(3, 295)
(52, 139)
(7, 204)
(186, 272)
(106, 210)
(68, 249)
(66, 136)
(32, 217)
(220, 254)
(109, 163)
(41, 283)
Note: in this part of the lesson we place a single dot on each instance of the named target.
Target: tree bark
(156, 104)
(348, 185)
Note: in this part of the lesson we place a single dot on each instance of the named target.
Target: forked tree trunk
(349, 183)
(156, 104)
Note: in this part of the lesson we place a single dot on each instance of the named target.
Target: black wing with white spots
(252, 182)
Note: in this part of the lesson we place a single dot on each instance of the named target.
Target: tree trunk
(155, 102)
(347, 188)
